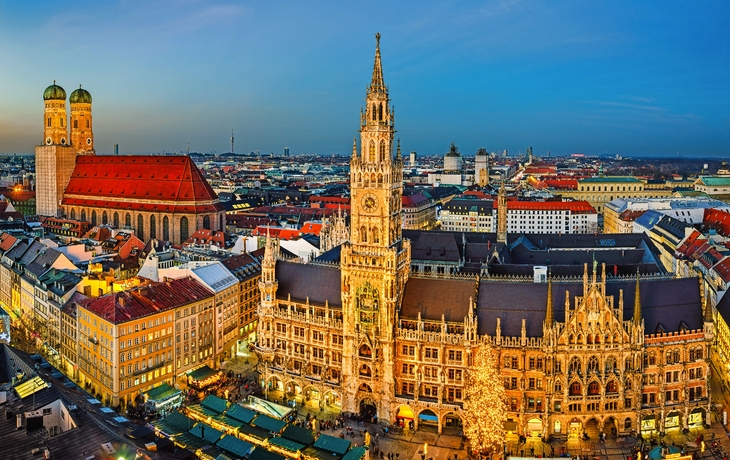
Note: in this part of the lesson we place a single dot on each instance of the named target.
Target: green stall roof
(210, 434)
(179, 421)
(234, 446)
(255, 432)
(229, 422)
(356, 453)
(202, 373)
(332, 444)
(298, 434)
(161, 392)
(287, 444)
(260, 453)
(319, 454)
(215, 403)
(268, 423)
(241, 414)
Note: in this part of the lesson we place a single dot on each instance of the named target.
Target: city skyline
(625, 78)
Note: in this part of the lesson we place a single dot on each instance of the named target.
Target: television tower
(231, 141)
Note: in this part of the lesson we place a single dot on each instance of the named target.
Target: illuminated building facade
(386, 324)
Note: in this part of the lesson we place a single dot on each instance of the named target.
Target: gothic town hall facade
(592, 333)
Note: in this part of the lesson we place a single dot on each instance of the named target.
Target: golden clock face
(369, 202)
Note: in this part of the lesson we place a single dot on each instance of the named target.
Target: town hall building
(592, 334)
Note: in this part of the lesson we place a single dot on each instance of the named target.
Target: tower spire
(502, 214)
(354, 147)
(377, 85)
(397, 155)
(637, 301)
(549, 313)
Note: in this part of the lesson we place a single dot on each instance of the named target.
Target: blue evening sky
(623, 77)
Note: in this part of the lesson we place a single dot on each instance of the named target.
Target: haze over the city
(620, 77)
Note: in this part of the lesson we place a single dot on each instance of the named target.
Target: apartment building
(128, 340)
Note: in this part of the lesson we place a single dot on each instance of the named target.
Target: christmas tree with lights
(485, 410)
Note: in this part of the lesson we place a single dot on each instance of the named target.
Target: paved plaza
(409, 445)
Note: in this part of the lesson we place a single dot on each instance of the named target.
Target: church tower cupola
(82, 135)
(55, 131)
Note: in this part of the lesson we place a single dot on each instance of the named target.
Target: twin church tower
(62, 142)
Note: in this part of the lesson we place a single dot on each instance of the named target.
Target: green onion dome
(54, 92)
(80, 96)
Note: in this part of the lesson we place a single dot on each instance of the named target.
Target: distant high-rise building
(116, 149)
(504, 153)
(413, 159)
(529, 154)
(286, 151)
(481, 167)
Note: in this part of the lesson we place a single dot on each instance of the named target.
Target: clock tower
(376, 260)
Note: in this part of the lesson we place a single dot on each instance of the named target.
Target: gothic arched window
(382, 151)
(140, 227)
(365, 351)
(153, 227)
(183, 229)
(593, 364)
(206, 222)
(363, 235)
(375, 114)
(376, 233)
(612, 387)
(128, 221)
(371, 152)
(574, 365)
(575, 389)
(594, 388)
(380, 112)
(165, 228)
(83, 214)
(104, 218)
(73, 214)
(116, 219)
(93, 217)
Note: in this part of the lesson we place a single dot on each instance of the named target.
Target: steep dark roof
(434, 297)
(307, 281)
(333, 255)
(723, 308)
(437, 246)
(667, 302)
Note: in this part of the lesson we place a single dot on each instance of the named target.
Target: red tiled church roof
(173, 182)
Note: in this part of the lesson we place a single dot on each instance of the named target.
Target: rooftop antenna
(231, 141)
(188, 148)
